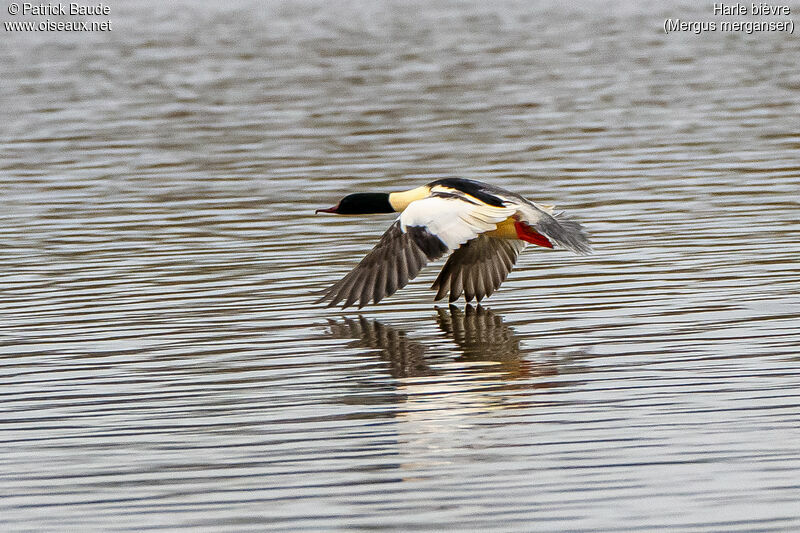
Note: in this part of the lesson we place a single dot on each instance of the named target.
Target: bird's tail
(564, 231)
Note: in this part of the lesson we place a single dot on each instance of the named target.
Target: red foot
(528, 234)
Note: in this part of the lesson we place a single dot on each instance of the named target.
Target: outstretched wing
(480, 265)
(477, 268)
(425, 231)
(397, 258)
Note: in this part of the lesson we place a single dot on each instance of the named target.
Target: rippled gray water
(162, 364)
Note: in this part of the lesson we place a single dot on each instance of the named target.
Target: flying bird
(485, 227)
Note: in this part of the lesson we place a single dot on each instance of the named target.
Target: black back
(476, 189)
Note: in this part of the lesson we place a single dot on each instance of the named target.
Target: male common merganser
(485, 227)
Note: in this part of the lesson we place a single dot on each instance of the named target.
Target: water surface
(162, 364)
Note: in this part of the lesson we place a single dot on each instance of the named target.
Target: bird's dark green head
(361, 203)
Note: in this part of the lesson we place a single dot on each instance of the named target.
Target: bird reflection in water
(481, 335)
(441, 397)
(406, 357)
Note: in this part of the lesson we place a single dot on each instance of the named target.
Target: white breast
(453, 219)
